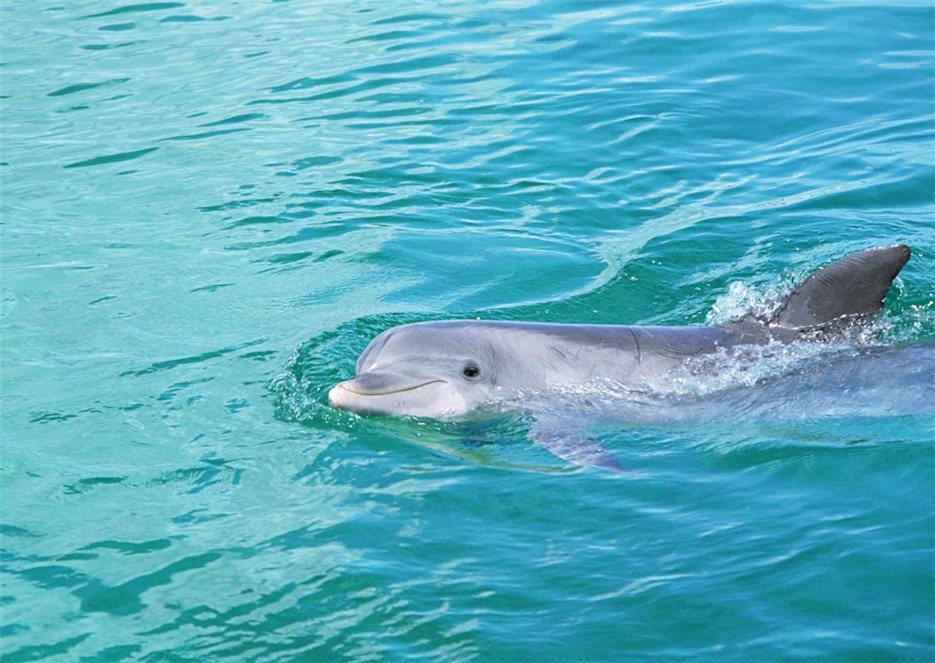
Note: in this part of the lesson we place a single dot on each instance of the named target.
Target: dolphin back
(850, 289)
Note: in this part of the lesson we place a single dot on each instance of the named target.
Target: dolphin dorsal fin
(848, 289)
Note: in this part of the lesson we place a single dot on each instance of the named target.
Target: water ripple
(193, 192)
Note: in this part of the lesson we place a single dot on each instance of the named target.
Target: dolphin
(448, 369)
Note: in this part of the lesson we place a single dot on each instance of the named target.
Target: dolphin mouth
(373, 393)
(366, 387)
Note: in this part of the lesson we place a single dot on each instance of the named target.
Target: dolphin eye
(470, 371)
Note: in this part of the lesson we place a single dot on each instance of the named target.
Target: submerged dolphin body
(450, 368)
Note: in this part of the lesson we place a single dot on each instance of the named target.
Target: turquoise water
(210, 208)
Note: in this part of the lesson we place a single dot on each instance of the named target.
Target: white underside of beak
(435, 398)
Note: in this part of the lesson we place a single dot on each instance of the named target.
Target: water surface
(208, 210)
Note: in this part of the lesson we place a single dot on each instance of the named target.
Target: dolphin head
(415, 370)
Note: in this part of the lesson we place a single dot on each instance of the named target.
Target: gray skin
(443, 369)
(451, 368)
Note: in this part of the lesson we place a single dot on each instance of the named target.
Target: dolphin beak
(351, 394)
(377, 384)
(340, 396)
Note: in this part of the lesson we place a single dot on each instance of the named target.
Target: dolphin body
(446, 369)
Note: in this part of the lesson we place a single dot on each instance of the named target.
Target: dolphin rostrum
(449, 368)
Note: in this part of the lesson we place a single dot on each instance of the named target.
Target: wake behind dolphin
(448, 369)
